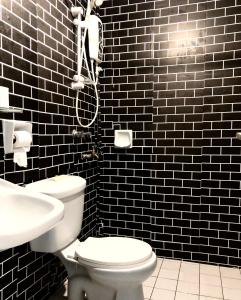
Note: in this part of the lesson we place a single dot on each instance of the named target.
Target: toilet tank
(70, 190)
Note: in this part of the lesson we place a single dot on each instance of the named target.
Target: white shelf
(10, 109)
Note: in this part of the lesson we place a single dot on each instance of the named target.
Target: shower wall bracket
(82, 24)
(79, 81)
(76, 11)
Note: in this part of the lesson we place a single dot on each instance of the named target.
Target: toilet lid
(113, 251)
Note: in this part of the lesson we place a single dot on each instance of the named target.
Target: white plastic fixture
(95, 34)
(9, 127)
(76, 10)
(111, 268)
(98, 2)
(25, 215)
(70, 190)
(113, 251)
(94, 25)
(4, 97)
(123, 138)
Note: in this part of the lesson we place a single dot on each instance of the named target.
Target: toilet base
(135, 293)
(104, 284)
(79, 286)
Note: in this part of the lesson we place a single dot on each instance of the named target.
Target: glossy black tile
(195, 106)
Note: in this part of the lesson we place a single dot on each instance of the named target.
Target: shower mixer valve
(90, 154)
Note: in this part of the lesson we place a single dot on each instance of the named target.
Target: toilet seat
(116, 252)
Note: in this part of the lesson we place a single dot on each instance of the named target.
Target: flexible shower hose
(80, 63)
(96, 111)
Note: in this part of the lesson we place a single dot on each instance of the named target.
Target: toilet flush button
(60, 177)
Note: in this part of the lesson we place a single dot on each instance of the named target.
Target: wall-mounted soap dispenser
(17, 138)
(123, 138)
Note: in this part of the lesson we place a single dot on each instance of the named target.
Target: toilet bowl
(114, 278)
(106, 268)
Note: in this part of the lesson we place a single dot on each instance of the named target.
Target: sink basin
(25, 215)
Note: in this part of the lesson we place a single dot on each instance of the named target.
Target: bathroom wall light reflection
(185, 43)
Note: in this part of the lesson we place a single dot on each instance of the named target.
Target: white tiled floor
(179, 280)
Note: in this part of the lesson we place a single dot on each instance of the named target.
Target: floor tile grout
(221, 281)
(157, 276)
(178, 279)
(216, 288)
(230, 275)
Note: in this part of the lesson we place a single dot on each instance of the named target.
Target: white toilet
(107, 268)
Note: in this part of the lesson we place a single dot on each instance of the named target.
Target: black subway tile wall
(220, 201)
(179, 79)
(37, 63)
(172, 75)
(127, 103)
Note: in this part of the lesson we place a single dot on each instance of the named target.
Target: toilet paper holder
(9, 128)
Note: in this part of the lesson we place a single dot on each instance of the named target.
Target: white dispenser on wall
(95, 33)
(92, 28)
(17, 138)
(4, 97)
(123, 138)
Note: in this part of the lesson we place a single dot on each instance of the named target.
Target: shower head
(95, 3)
(98, 3)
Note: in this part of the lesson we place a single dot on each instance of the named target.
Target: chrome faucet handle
(95, 154)
(238, 135)
(86, 156)
(80, 134)
(90, 154)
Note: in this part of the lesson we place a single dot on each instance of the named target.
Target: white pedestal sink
(25, 215)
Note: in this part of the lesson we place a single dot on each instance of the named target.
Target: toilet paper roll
(23, 139)
(20, 157)
(22, 142)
